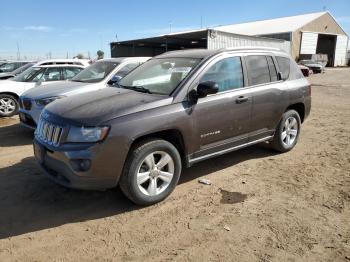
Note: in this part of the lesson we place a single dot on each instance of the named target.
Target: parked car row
(135, 122)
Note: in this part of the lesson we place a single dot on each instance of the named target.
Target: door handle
(241, 99)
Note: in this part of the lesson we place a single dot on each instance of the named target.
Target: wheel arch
(11, 94)
(300, 108)
(173, 136)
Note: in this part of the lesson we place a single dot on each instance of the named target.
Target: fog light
(81, 165)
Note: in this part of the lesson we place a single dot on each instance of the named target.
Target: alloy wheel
(155, 173)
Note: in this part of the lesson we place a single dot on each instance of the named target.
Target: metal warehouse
(301, 36)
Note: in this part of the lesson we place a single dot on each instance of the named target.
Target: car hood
(5, 75)
(94, 108)
(56, 89)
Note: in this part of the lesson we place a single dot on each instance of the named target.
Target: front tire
(8, 105)
(287, 132)
(151, 172)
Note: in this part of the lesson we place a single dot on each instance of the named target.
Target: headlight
(87, 134)
(47, 100)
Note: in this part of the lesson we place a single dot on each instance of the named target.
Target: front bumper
(59, 167)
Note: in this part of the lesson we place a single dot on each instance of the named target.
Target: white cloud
(39, 28)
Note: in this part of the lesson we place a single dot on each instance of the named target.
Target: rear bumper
(57, 166)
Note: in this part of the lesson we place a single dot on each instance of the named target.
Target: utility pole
(18, 52)
(170, 24)
(201, 22)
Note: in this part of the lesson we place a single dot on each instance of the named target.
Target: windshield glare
(160, 76)
(26, 75)
(96, 72)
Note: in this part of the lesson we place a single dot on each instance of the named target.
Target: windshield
(96, 72)
(22, 68)
(27, 74)
(8, 67)
(159, 76)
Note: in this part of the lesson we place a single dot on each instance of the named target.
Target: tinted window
(227, 73)
(70, 72)
(272, 69)
(258, 70)
(52, 74)
(8, 67)
(284, 66)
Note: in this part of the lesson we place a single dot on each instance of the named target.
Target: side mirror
(114, 79)
(38, 83)
(207, 88)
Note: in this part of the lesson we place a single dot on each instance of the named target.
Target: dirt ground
(261, 206)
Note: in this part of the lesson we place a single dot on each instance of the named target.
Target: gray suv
(175, 110)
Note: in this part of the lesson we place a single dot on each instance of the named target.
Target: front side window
(70, 72)
(160, 76)
(227, 73)
(52, 74)
(96, 72)
(258, 70)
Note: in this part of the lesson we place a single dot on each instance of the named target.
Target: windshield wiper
(136, 88)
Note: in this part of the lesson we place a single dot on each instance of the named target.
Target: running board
(228, 150)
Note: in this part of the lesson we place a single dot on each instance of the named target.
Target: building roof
(271, 26)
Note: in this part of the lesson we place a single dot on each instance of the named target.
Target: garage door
(340, 50)
(308, 43)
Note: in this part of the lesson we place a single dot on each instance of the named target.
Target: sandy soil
(262, 206)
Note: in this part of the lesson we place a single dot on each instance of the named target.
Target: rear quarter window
(288, 68)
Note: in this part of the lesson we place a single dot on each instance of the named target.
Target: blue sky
(67, 26)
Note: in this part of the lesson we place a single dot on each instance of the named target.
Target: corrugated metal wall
(218, 39)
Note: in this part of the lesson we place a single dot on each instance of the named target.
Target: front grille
(48, 132)
(26, 103)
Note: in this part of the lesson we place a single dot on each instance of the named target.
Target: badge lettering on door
(211, 134)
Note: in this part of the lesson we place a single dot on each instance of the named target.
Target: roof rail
(252, 48)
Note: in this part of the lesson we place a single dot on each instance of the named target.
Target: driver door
(222, 120)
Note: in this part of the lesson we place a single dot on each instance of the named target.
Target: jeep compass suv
(176, 109)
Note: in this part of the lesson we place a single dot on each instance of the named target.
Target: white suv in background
(40, 74)
(101, 74)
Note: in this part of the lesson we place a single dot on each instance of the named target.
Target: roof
(271, 26)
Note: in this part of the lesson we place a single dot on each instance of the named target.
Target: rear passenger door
(268, 95)
(221, 120)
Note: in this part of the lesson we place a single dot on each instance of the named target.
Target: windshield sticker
(180, 70)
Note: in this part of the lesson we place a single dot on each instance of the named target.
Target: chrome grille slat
(48, 132)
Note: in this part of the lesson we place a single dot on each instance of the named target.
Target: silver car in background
(103, 73)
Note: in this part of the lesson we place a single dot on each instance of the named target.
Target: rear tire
(151, 172)
(8, 105)
(287, 132)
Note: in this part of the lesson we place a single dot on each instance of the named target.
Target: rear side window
(227, 73)
(258, 70)
(272, 69)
